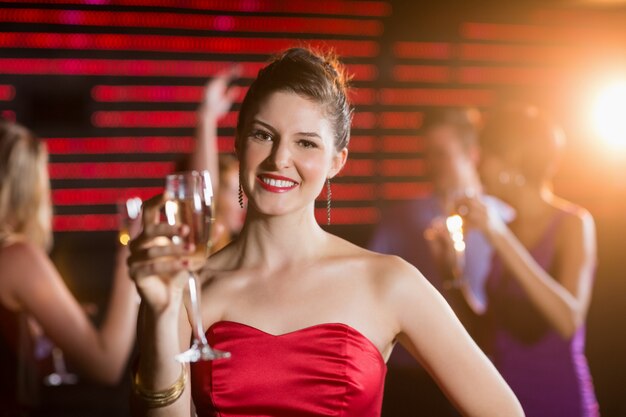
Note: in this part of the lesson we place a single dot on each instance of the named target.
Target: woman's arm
(563, 299)
(431, 332)
(218, 98)
(39, 290)
(158, 269)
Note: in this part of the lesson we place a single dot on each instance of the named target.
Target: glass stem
(198, 328)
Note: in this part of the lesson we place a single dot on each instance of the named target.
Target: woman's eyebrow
(269, 127)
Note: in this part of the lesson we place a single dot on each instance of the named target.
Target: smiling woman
(308, 317)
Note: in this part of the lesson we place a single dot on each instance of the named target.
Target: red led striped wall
(142, 74)
(139, 67)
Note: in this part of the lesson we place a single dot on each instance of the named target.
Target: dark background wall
(113, 87)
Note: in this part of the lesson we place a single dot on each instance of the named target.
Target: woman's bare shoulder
(23, 264)
(387, 271)
(22, 254)
(577, 220)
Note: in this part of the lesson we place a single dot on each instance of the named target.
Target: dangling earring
(240, 196)
(328, 196)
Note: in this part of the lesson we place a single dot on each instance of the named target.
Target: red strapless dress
(325, 370)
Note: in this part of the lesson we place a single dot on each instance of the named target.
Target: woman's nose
(281, 155)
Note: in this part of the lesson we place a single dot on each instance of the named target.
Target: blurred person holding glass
(419, 230)
(32, 289)
(309, 319)
(540, 283)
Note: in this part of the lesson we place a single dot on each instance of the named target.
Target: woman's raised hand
(219, 93)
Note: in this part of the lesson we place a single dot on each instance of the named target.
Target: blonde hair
(25, 207)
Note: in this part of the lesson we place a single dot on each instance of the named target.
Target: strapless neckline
(312, 327)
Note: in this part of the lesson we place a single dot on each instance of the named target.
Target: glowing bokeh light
(609, 115)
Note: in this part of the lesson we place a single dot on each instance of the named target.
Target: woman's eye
(261, 135)
(307, 144)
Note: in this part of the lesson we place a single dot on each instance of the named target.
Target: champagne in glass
(188, 201)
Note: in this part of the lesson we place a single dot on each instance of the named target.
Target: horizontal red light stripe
(581, 18)
(558, 55)
(158, 144)
(402, 144)
(362, 96)
(121, 67)
(358, 168)
(108, 170)
(190, 94)
(163, 119)
(181, 44)
(364, 120)
(144, 93)
(348, 215)
(400, 120)
(8, 115)
(586, 33)
(147, 68)
(350, 192)
(85, 222)
(331, 7)
(178, 119)
(422, 73)
(332, 26)
(405, 190)
(436, 97)
(7, 92)
(155, 145)
(423, 50)
(507, 75)
(362, 144)
(402, 167)
(89, 196)
(506, 32)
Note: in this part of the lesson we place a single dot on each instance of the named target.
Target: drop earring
(240, 195)
(328, 197)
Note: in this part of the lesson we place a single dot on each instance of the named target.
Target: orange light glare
(609, 115)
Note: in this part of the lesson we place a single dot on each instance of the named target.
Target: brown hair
(25, 208)
(311, 75)
(525, 131)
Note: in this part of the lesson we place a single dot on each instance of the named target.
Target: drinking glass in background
(59, 375)
(188, 201)
(128, 210)
(454, 226)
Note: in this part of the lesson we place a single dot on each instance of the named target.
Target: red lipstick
(276, 183)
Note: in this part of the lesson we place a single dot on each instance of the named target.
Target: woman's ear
(339, 160)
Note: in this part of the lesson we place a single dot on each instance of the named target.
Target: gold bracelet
(156, 399)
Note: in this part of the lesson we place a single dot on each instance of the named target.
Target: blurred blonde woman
(31, 287)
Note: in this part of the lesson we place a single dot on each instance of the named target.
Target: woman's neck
(532, 201)
(274, 242)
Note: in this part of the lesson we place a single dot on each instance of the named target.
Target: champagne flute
(188, 201)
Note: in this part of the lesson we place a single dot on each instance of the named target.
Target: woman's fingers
(163, 268)
(159, 234)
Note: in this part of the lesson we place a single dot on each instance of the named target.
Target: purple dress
(548, 374)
